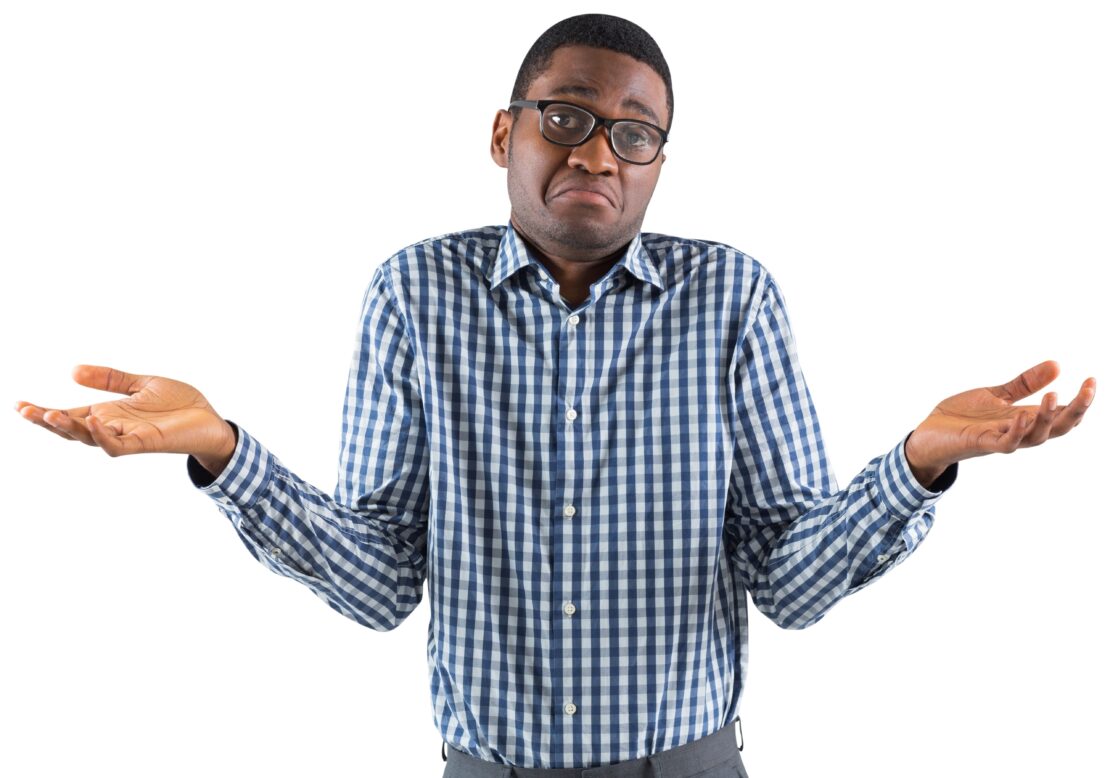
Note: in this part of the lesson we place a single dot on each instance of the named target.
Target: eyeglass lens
(631, 140)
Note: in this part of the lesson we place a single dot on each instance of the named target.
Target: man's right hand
(158, 415)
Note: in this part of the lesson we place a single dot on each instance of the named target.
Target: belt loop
(741, 728)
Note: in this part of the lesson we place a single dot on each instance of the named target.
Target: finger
(109, 379)
(78, 412)
(113, 443)
(1032, 380)
(73, 426)
(1070, 416)
(1010, 436)
(1042, 424)
(104, 437)
(34, 414)
(1086, 394)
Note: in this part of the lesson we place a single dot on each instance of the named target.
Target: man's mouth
(584, 196)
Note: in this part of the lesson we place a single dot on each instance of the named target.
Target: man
(592, 443)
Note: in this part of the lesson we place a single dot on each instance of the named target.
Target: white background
(203, 190)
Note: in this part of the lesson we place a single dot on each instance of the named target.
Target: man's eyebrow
(581, 90)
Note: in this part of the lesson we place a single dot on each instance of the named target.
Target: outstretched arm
(802, 544)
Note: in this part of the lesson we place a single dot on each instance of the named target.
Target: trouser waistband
(685, 760)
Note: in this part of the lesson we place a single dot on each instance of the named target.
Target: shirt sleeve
(363, 549)
(801, 544)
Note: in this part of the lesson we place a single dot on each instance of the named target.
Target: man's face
(543, 175)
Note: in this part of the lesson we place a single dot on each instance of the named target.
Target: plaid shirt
(588, 493)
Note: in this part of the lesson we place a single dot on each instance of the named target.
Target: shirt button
(883, 557)
(572, 414)
(568, 511)
(569, 609)
(570, 708)
(573, 320)
(275, 551)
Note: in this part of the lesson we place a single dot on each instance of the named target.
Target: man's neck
(574, 276)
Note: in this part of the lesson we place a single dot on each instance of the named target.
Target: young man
(591, 442)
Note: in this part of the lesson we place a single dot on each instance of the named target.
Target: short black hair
(601, 31)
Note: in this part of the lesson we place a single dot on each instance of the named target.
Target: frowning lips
(587, 186)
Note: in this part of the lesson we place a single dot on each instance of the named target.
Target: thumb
(109, 379)
(1032, 380)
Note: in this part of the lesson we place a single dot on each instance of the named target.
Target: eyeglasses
(566, 124)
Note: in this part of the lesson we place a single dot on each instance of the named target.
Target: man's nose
(595, 155)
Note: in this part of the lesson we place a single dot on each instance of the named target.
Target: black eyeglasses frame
(599, 121)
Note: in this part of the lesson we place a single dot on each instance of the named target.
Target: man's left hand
(986, 421)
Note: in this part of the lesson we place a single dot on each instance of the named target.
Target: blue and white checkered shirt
(588, 493)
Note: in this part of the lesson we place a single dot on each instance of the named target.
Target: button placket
(570, 414)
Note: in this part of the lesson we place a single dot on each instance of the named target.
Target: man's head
(613, 68)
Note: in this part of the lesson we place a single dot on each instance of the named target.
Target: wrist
(216, 461)
(924, 471)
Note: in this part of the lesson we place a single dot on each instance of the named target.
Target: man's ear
(499, 145)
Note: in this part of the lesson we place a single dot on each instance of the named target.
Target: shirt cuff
(898, 488)
(245, 479)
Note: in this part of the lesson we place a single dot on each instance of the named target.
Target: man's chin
(585, 235)
(577, 230)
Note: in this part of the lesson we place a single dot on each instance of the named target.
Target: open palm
(987, 421)
(158, 415)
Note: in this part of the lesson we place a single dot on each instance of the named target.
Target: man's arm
(802, 544)
(363, 551)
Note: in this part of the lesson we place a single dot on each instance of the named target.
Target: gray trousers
(713, 756)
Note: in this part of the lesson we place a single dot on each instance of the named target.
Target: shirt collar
(513, 254)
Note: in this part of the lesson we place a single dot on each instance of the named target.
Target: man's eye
(636, 138)
(565, 121)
